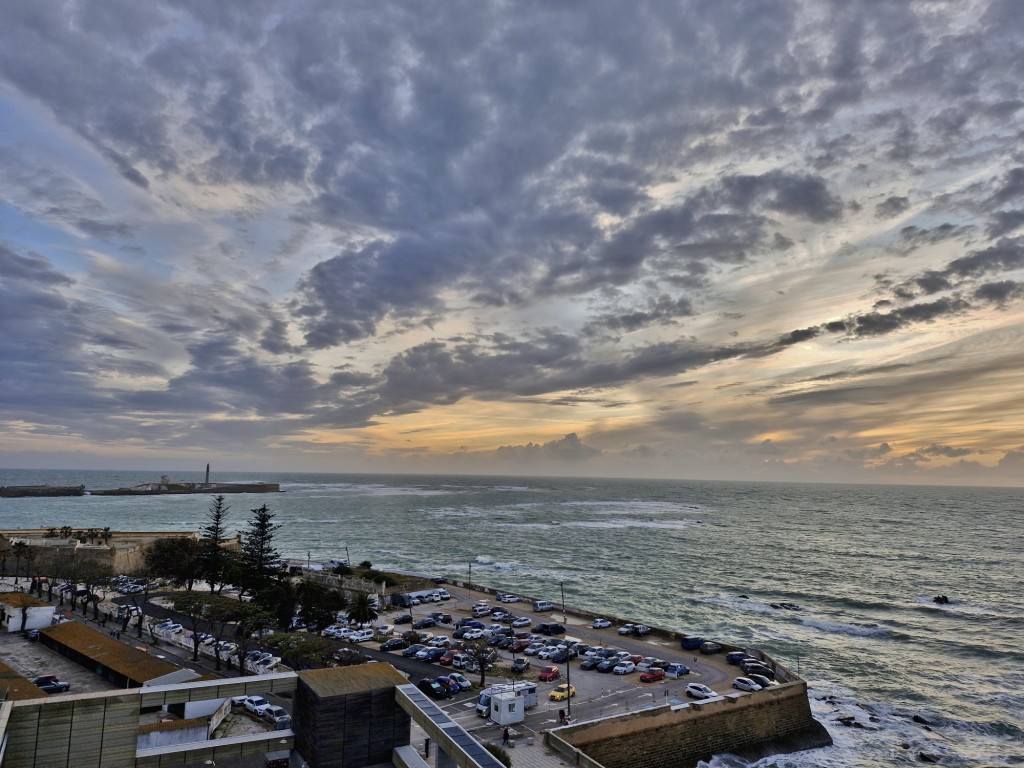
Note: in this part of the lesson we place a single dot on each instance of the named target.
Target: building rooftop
(18, 688)
(128, 661)
(364, 677)
(22, 600)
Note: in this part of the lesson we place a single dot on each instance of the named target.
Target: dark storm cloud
(1004, 222)
(1000, 292)
(891, 207)
(1010, 188)
(569, 448)
(47, 372)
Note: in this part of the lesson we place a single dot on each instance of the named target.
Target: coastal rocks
(921, 720)
(940, 600)
(786, 606)
(928, 757)
(852, 722)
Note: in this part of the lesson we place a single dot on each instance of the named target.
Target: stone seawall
(754, 725)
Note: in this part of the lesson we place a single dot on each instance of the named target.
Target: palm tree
(19, 550)
(362, 611)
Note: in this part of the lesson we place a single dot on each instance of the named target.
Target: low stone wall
(667, 737)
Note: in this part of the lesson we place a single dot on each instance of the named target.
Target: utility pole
(568, 663)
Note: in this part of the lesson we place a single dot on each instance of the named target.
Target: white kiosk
(508, 708)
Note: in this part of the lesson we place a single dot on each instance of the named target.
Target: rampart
(676, 736)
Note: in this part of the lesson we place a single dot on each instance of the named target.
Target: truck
(526, 689)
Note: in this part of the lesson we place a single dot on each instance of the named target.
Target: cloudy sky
(747, 240)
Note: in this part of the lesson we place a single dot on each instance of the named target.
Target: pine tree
(259, 557)
(212, 535)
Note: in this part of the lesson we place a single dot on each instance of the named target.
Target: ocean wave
(855, 629)
(665, 525)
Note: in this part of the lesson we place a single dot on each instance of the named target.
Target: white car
(521, 621)
(700, 691)
(460, 680)
(626, 629)
(508, 598)
(257, 705)
(547, 651)
(600, 623)
(624, 668)
(745, 684)
(473, 634)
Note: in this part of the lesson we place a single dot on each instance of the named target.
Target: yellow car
(562, 692)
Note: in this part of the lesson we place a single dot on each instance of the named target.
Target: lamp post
(471, 576)
(568, 664)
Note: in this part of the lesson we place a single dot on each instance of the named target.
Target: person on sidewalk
(504, 737)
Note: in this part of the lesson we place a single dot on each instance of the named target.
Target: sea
(861, 564)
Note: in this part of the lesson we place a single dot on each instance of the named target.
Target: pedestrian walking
(504, 738)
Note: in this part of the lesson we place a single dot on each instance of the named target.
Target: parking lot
(597, 694)
(32, 658)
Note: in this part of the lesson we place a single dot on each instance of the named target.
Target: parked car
(640, 630)
(450, 684)
(626, 629)
(699, 691)
(275, 714)
(735, 657)
(44, 679)
(394, 644)
(433, 689)
(675, 670)
(508, 598)
(761, 680)
(745, 684)
(424, 624)
(600, 623)
(550, 628)
(652, 675)
(412, 650)
(590, 663)
(461, 680)
(520, 665)
(562, 692)
(549, 673)
(710, 647)
(404, 618)
(607, 665)
(256, 705)
(624, 668)
(58, 686)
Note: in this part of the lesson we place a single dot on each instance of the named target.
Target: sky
(711, 240)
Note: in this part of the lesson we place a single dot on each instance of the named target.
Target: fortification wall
(664, 737)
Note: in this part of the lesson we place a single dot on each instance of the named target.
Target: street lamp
(568, 663)
(471, 576)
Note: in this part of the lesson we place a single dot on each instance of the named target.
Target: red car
(447, 659)
(549, 673)
(652, 675)
(520, 645)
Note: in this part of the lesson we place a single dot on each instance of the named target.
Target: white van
(361, 636)
(543, 605)
(481, 610)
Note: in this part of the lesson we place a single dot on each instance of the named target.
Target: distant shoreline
(147, 489)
